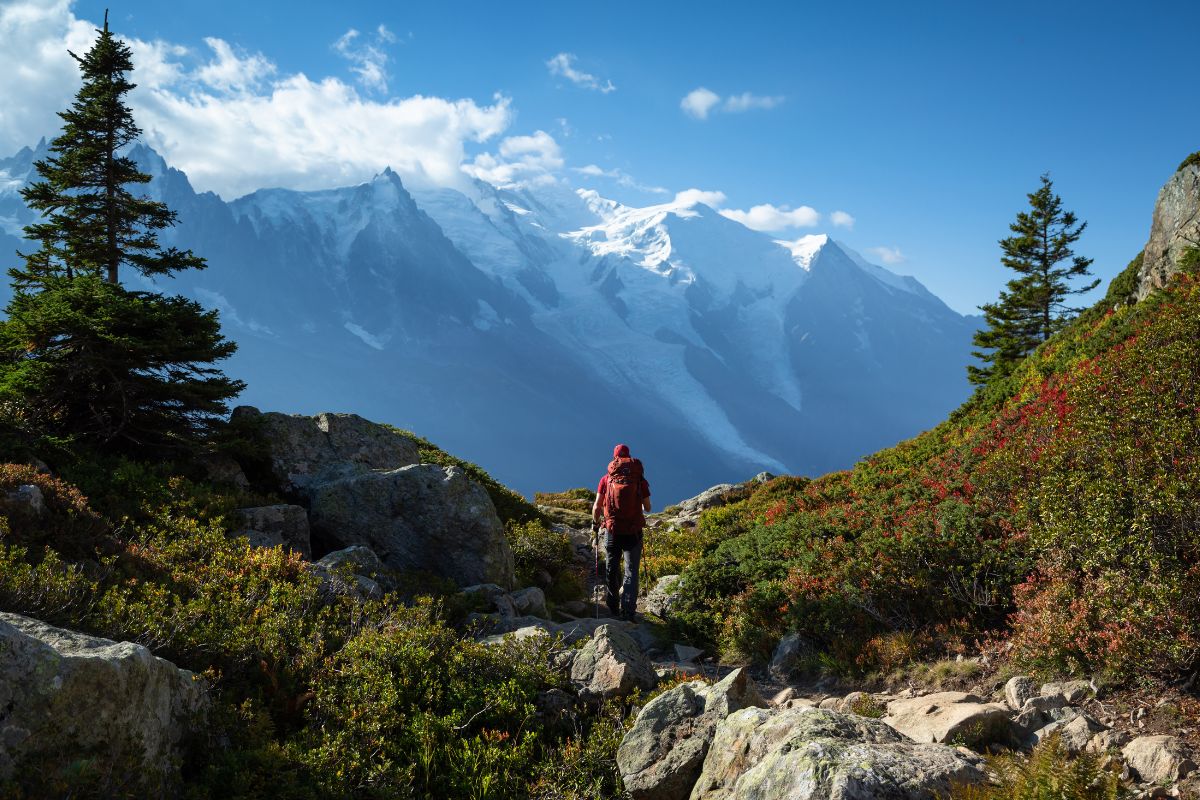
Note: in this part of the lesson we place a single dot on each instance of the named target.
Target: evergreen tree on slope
(81, 357)
(1034, 305)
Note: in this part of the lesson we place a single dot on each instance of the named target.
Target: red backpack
(623, 497)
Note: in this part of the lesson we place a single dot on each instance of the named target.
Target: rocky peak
(1176, 227)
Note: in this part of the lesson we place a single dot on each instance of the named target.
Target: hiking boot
(614, 611)
(629, 615)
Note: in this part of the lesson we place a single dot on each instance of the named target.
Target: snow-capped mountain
(530, 328)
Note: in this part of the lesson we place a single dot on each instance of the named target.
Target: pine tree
(82, 357)
(1034, 307)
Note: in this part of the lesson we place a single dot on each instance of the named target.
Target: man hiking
(621, 499)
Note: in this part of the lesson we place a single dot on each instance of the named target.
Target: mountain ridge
(528, 326)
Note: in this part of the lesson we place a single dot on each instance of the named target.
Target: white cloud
(766, 217)
(698, 102)
(230, 120)
(227, 72)
(735, 104)
(842, 219)
(519, 158)
(888, 255)
(563, 65)
(368, 59)
(622, 178)
(37, 77)
(690, 197)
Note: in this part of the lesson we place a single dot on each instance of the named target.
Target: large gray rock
(307, 451)
(951, 717)
(276, 526)
(663, 597)
(661, 755)
(611, 665)
(1175, 228)
(66, 696)
(29, 498)
(420, 517)
(814, 754)
(1159, 759)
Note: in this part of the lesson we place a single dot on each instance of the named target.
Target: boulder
(492, 598)
(611, 665)
(686, 653)
(66, 696)
(220, 468)
(789, 656)
(29, 498)
(276, 526)
(1070, 691)
(306, 451)
(661, 755)
(814, 754)
(1108, 740)
(420, 517)
(1074, 733)
(1175, 228)
(1039, 712)
(1159, 759)
(1018, 690)
(663, 597)
(690, 510)
(530, 601)
(355, 571)
(951, 717)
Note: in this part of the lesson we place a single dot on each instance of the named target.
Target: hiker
(622, 498)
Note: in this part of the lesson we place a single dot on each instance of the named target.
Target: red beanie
(621, 451)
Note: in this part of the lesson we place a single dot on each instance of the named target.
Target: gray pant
(622, 597)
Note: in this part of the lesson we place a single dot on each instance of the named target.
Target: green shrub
(580, 499)
(535, 548)
(68, 523)
(1048, 774)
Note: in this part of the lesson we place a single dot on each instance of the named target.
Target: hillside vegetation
(1059, 508)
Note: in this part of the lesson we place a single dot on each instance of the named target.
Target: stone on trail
(661, 755)
(814, 754)
(1070, 691)
(66, 696)
(663, 597)
(530, 601)
(1159, 759)
(611, 665)
(951, 717)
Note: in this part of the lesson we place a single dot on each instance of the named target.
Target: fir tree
(81, 357)
(1034, 306)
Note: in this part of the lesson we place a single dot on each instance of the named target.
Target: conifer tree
(82, 357)
(1034, 306)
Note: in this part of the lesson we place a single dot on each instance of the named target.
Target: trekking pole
(596, 574)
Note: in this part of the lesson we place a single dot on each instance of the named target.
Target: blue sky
(925, 122)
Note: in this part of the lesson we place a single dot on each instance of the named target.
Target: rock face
(951, 716)
(275, 526)
(661, 755)
(1159, 759)
(306, 451)
(65, 695)
(611, 665)
(423, 517)
(814, 754)
(719, 495)
(1175, 228)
